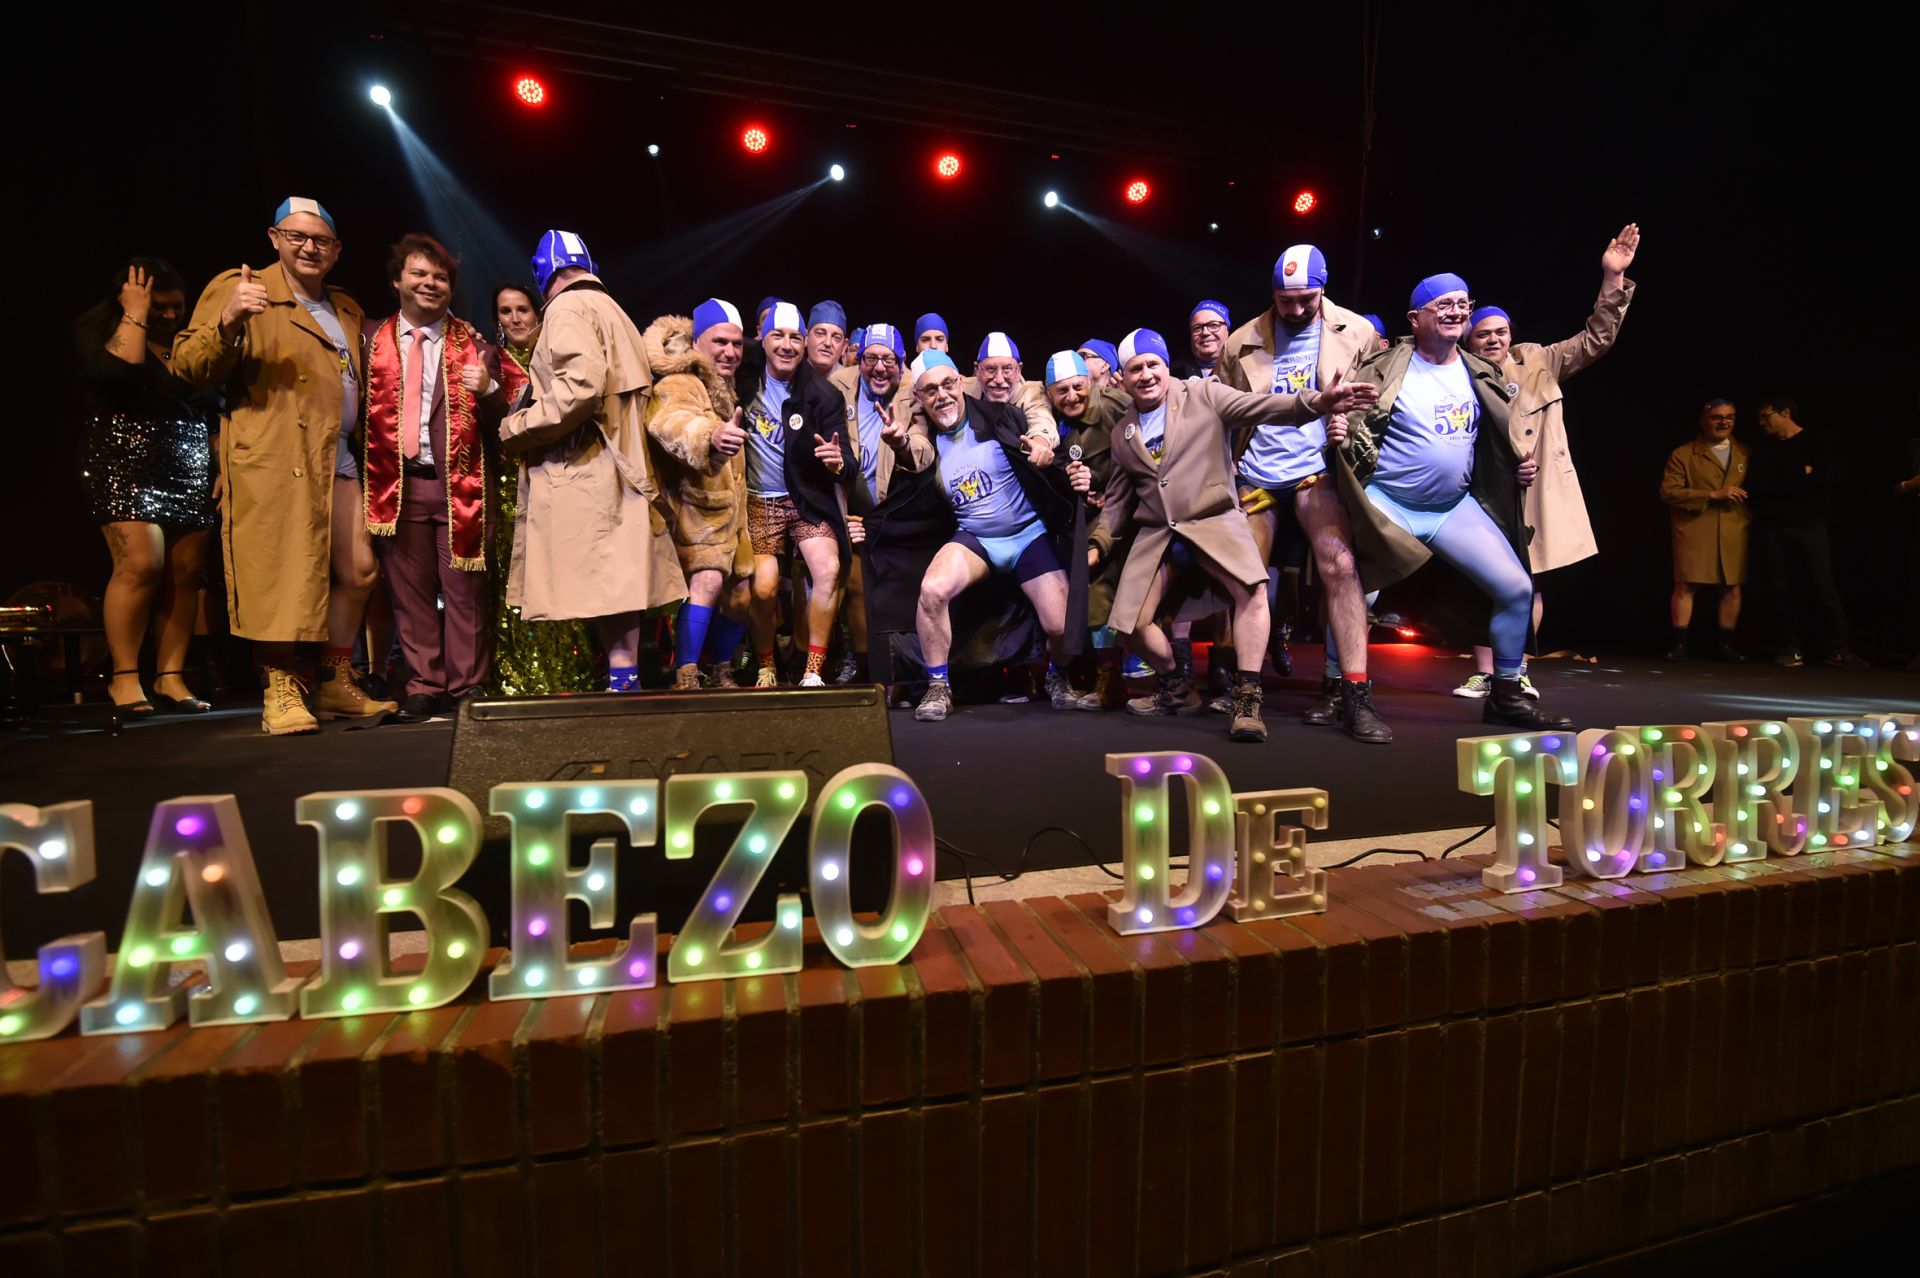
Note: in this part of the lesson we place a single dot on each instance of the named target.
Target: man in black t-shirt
(1789, 486)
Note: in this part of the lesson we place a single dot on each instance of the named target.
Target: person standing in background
(1791, 483)
(1704, 489)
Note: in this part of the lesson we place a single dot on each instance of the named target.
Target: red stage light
(1303, 201)
(1138, 191)
(756, 139)
(530, 91)
(947, 166)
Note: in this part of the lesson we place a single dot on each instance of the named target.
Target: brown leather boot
(342, 697)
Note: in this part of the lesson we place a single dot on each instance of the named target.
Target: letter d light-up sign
(355, 977)
(1147, 902)
(543, 882)
(59, 842)
(1516, 771)
(852, 791)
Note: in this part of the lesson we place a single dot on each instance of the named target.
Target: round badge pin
(1513, 388)
(1129, 432)
(795, 422)
(1073, 452)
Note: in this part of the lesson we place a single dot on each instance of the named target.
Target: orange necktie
(410, 397)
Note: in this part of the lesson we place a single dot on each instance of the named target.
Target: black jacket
(992, 622)
(822, 412)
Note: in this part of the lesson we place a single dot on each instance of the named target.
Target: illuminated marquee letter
(59, 842)
(1832, 752)
(1682, 764)
(543, 882)
(197, 857)
(1147, 902)
(1604, 820)
(1516, 770)
(356, 892)
(1891, 782)
(1270, 876)
(1758, 760)
(852, 791)
(701, 951)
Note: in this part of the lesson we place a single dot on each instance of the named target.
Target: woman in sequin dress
(148, 467)
(528, 656)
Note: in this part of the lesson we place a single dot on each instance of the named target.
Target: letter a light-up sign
(1147, 900)
(59, 842)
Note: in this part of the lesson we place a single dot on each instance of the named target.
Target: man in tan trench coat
(591, 539)
(287, 350)
(1707, 502)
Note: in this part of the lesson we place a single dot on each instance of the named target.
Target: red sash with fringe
(464, 469)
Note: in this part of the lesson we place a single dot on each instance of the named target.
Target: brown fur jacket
(707, 491)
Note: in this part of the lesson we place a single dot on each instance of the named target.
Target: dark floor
(994, 774)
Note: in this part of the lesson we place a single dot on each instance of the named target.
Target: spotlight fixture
(530, 91)
(653, 148)
(1051, 199)
(1138, 190)
(380, 95)
(756, 139)
(947, 167)
(1213, 226)
(1378, 231)
(1303, 202)
(837, 173)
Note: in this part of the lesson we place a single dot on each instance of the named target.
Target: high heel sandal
(178, 705)
(141, 709)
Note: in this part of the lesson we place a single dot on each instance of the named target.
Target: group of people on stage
(730, 468)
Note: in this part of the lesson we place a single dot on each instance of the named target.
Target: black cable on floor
(1451, 849)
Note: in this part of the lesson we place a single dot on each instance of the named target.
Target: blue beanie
(998, 345)
(1104, 350)
(1379, 325)
(929, 322)
(1218, 308)
(926, 361)
(1302, 266)
(1486, 313)
(828, 313)
(880, 335)
(1143, 341)
(301, 204)
(713, 311)
(557, 251)
(1435, 286)
(1064, 364)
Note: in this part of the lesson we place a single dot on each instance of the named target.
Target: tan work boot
(283, 711)
(342, 697)
(687, 677)
(723, 676)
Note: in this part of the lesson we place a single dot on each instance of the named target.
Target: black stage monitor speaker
(629, 736)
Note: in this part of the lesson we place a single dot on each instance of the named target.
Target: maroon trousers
(447, 650)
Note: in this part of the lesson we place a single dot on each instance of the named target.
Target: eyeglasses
(879, 361)
(1208, 326)
(299, 239)
(1451, 308)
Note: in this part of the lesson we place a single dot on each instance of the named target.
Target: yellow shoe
(284, 708)
(342, 697)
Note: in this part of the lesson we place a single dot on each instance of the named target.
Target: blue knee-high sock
(723, 640)
(690, 631)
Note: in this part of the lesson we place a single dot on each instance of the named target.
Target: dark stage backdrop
(1775, 256)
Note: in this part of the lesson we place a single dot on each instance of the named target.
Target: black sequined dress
(147, 453)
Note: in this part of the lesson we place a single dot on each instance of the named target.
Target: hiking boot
(1060, 692)
(1359, 718)
(1109, 691)
(1175, 695)
(1222, 704)
(283, 709)
(849, 669)
(1247, 724)
(936, 704)
(342, 697)
(687, 677)
(723, 676)
(1325, 708)
(1476, 686)
(1508, 707)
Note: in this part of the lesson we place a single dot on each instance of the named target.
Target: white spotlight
(1051, 199)
(381, 97)
(653, 148)
(837, 173)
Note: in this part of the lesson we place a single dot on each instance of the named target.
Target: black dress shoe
(418, 708)
(1728, 653)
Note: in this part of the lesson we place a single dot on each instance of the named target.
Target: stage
(994, 775)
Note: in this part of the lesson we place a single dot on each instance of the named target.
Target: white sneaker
(1478, 686)
(812, 680)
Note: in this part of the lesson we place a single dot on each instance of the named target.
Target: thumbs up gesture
(729, 438)
(248, 299)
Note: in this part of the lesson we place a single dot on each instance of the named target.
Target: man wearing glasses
(1446, 472)
(287, 350)
(1207, 329)
(1706, 496)
(868, 389)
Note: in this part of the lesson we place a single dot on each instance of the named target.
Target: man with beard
(1301, 343)
(1207, 327)
(1706, 496)
(1085, 413)
(997, 379)
(695, 419)
(826, 337)
(1170, 476)
(868, 387)
(795, 466)
(1009, 518)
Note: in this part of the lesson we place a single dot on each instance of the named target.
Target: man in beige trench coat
(1707, 502)
(592, 536)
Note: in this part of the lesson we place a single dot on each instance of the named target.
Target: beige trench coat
(1555, 508)
(591, 538)
(1709, 537)
(277, 450)
(1189, 492)
(847, 382)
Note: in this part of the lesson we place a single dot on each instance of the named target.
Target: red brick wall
(1391, 1090)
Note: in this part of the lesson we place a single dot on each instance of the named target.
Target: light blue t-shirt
(344, 462)
(1153, 431)
(981, 482)
(873, 419)
(1426, 458)
(1279, 456)
(767, 439)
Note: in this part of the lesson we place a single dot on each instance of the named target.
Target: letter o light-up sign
(852, 791)
(59, 842)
